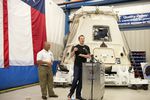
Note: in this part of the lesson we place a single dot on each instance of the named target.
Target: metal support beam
(67, 13)
(75, 5)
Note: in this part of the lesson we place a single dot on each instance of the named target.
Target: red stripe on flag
(5, 32)
(38, 31)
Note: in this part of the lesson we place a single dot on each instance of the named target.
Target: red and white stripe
(19, 25)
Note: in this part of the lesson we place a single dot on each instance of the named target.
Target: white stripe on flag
(1, 35)
(20, 34)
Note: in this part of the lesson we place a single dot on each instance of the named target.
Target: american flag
(23, 29)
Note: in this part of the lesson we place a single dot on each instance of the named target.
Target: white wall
(132, 8)
(55, 24)
(139, 40)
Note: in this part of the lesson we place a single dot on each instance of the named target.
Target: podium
(93, 81)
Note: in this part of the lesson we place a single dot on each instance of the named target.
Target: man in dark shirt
(81, 52)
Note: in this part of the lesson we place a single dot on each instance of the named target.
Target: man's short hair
(80, 36)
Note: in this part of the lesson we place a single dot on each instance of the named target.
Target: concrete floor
(111, 93)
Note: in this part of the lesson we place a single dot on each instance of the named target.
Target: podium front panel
(98, 81)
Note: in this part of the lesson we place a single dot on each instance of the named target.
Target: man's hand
(73, 52)
(85, 56)
(49, 64)
(88, 56)
(39, 62)
(75, 49)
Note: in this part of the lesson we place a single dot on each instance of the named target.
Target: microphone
(92, 58)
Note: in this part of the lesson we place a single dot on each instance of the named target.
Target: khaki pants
(46, 80)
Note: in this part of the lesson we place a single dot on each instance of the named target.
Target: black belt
(44, 65)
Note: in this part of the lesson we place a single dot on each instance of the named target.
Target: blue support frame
(76, 5)
(67, 28)
(67, 13)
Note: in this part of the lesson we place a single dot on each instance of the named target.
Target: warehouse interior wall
(138, 40)
(55, 25)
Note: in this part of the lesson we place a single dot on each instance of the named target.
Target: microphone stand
(92, 81)
(92, 61)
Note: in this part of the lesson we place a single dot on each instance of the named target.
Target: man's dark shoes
(54, 95)
(80, 98)
(44, 97)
